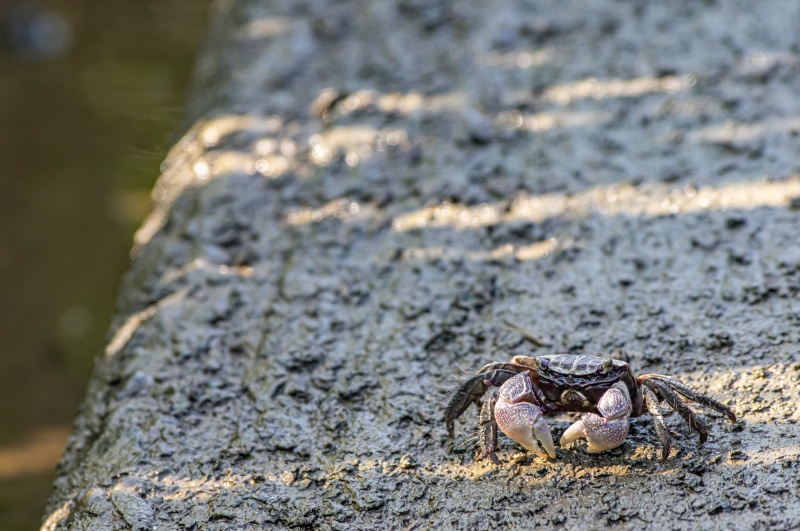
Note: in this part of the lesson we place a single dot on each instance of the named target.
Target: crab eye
(608, 364)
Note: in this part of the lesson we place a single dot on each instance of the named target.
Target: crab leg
(491, 375)
(651, 402)
(521, 419)
(674, 401)
(701, 399)
(488, 429)
(687, 392)
(607, 431)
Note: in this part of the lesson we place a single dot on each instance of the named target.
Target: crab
(604, 389)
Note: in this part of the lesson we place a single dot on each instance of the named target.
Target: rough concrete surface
(374, 198)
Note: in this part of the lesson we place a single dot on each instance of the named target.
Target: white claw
(601, 434)
(541, 431)
(525, 424)
(607, 431)
(573, 433)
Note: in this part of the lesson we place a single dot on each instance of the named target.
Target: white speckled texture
(526, 425)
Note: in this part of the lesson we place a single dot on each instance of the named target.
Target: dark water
(90, 96)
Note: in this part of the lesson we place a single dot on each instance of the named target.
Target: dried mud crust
(369, 192)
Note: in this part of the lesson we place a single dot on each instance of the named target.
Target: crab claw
(607, 431)
(525, 424)
(600, 433)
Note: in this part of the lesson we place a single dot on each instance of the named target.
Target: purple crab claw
(607, 431)
(525, 424)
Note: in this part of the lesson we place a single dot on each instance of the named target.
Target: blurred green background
(91, 96)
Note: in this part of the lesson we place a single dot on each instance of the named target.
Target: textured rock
(371, 196)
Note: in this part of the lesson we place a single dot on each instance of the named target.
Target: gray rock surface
(374, 198)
